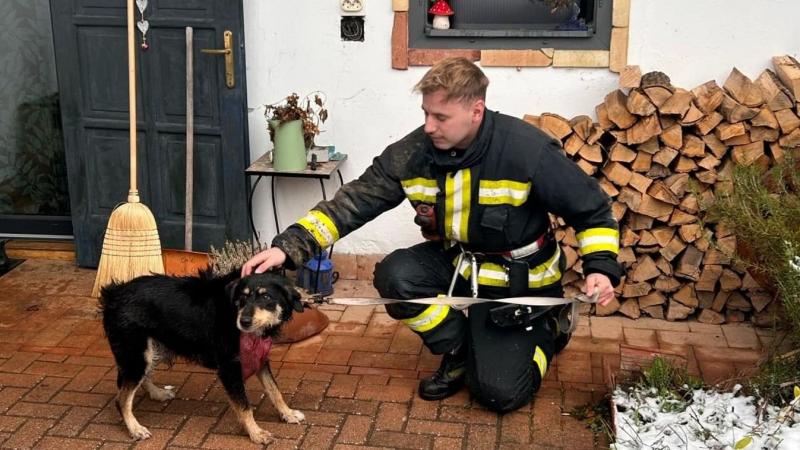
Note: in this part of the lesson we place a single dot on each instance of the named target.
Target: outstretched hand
(263, 261)
(597, 282)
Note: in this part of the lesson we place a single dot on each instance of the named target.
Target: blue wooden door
(91, 61)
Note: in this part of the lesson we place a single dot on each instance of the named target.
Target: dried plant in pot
(293, 123)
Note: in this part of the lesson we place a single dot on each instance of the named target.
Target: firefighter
(482, 184)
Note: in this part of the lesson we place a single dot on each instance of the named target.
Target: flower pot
(290, 149)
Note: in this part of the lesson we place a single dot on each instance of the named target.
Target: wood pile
(662, 154)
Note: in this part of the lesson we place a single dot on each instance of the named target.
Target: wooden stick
(133, 193)
(187, 234)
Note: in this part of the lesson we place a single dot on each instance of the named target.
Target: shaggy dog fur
(153, 318)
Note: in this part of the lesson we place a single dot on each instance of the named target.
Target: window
(512, 24)
(514, 33)
(518, 19)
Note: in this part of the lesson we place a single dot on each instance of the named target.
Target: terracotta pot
(182, 263)
(302, 326)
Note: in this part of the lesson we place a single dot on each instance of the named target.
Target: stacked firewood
(662, 154)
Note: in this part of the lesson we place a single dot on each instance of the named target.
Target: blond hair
(460, 79)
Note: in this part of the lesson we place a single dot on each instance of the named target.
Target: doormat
(10, 265)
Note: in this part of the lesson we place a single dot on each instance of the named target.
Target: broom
(131, 247)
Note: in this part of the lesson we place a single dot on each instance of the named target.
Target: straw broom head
(131, 247)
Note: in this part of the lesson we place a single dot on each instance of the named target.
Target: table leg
(250, 210)
(275, 208)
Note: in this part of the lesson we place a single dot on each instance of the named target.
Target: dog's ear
(292, 295)
(230, 289)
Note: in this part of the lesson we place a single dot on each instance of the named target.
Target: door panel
(95, 115)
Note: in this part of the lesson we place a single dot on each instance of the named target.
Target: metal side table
(262, 167)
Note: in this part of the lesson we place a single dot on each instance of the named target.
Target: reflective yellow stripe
(458, 195)
(598, 240)
(321, 227)
(541, 360)
(420, 189)
(546, 273)
(491, 274)
(428, 319)
(498, 192)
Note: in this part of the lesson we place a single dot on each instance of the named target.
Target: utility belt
(517, 262)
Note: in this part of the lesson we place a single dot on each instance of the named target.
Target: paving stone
(357, 314)
(689, 338)
(355, 430)
(446, 443)
(733, 355)
(305, 351)
(394, 439)
(54, 443)
(194, 431)
(384, 393)
(19, 361)
(481, 437)
(381, 325)
(640, 337)
(741, 336)
(574, 366)
(318, 438)
(392, 417)
(606, 328)
(334, 356)
(516, 428)
(38, 410)
(357, 343)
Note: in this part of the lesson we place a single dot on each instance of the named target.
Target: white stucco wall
(295, 47)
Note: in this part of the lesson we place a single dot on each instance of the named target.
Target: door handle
(227, 52)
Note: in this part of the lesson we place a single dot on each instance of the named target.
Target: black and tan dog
(154, 318)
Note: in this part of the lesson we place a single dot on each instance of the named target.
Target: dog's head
(264, 301)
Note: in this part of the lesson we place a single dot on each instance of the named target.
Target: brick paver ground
(355, 382)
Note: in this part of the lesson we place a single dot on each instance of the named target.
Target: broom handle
(189, 137)
(133, 193)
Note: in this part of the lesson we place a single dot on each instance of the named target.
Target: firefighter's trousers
(505, 366)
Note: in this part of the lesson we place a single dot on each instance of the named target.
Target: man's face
(451, 124)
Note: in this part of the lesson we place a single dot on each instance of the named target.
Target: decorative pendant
(142, 24)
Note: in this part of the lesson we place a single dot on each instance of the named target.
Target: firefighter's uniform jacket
(491, 197)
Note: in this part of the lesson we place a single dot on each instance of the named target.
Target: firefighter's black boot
(450, 377)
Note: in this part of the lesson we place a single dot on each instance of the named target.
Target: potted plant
(293, 123)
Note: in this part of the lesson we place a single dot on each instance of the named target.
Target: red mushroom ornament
(441, 12)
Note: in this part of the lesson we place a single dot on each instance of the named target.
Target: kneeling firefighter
(482, 184)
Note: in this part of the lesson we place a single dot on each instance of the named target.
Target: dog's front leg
(288, 415)
(230, 374)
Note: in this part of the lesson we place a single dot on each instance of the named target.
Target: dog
(154, 318)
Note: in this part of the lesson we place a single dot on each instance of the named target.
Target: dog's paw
(293, 416)
(162, 395)
(261, 437)
(140, 432)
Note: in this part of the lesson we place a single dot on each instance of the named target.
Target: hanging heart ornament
(142, 5)
(143, 26)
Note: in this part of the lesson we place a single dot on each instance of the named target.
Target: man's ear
(478, 108)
